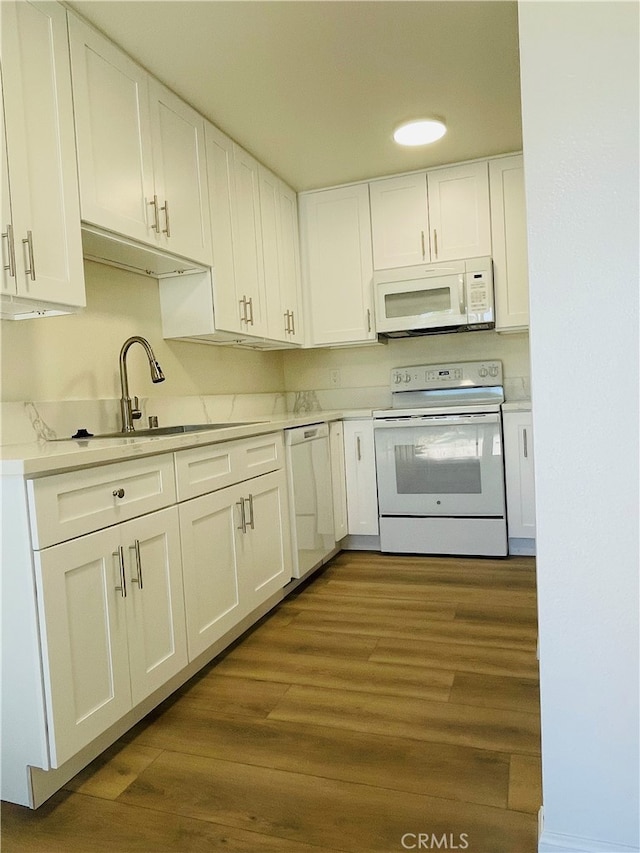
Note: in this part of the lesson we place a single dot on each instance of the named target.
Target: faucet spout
(130, 413)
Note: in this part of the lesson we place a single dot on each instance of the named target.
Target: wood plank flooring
(387, 698)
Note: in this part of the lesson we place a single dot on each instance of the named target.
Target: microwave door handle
(461, 295)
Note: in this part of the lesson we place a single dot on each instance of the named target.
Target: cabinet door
(180, 176)
(337, 265)
(459, 212)
(209, 530)
(519, 475)
(269, 221)
(41, 153)
(265, 542)
(221, 180)
(9, 284)
(399, 221)
(360, 472)
(83, 623)
(279, 223)
(113, 128)
(339, 485)
(155, 602)
(509, 238)
(247, 243)
(289, 257)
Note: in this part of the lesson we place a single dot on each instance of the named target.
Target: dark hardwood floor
(389, 702)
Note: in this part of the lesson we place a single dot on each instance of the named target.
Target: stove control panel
(466, 374)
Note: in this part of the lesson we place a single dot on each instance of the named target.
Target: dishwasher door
(310, 496)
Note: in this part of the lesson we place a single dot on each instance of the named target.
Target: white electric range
(439, 461)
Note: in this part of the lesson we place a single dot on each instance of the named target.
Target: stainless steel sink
(167, 430)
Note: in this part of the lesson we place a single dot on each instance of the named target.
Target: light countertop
(40, 458)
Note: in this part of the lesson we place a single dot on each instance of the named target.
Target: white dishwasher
(310, 496)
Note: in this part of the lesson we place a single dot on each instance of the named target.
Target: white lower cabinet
(338, 481)
(112, 625)
(519, 475)
(236, 553)
(360, 473)
(114, 580)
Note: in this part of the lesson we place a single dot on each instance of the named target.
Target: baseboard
(522, 547)
(555, 842)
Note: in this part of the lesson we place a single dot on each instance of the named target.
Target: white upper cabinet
(279, 217)
(140, 151)
(180, 175)
(439, 215)
(509, 237)
(253, 295)
(337, 268)
(399, 221)
(459, 212)
(247, 243)
(41, 245)
(113, 129)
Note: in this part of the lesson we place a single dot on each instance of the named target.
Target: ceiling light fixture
(419, 132)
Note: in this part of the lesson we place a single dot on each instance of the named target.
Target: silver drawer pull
(165, 207)
(243, 518)
(250, 523)
(118, 493)
(525, 448)
(136, 549)
(11, 266)
(32, 267)
(122, 589)
(156, 214)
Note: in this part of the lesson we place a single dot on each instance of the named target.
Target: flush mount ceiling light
(419, 132)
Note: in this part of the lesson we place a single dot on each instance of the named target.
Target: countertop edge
(43, 458)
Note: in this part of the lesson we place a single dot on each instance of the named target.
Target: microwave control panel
(428, 377)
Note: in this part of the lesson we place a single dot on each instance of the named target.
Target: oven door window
(441, 469)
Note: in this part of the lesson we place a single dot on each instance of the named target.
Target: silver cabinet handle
(32, 267)
(165, 207)
(243, 312)
(524, 442)
(250, 320)
(293, 323)
(287, 323)
(435, 242)
(11, 251)
(422, 244)
(136, 549)
(156, 215)
(122, 589)
(243, 518)
(368, 319)
(251, 522)
(358, 448)
(118, 493)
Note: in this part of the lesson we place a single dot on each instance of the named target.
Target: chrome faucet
(128, 411)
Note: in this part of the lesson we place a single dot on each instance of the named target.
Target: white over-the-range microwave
(435, 298)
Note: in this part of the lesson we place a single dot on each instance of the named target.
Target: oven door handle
(436, 420)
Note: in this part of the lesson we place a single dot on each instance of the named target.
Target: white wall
(75, 357)
(579, 75)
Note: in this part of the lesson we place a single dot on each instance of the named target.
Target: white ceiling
(314, 89)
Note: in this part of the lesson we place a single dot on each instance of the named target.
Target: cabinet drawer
(260, 455)
(64, 506)
(206, 469)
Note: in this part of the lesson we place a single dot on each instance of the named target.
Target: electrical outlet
(335, 377)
